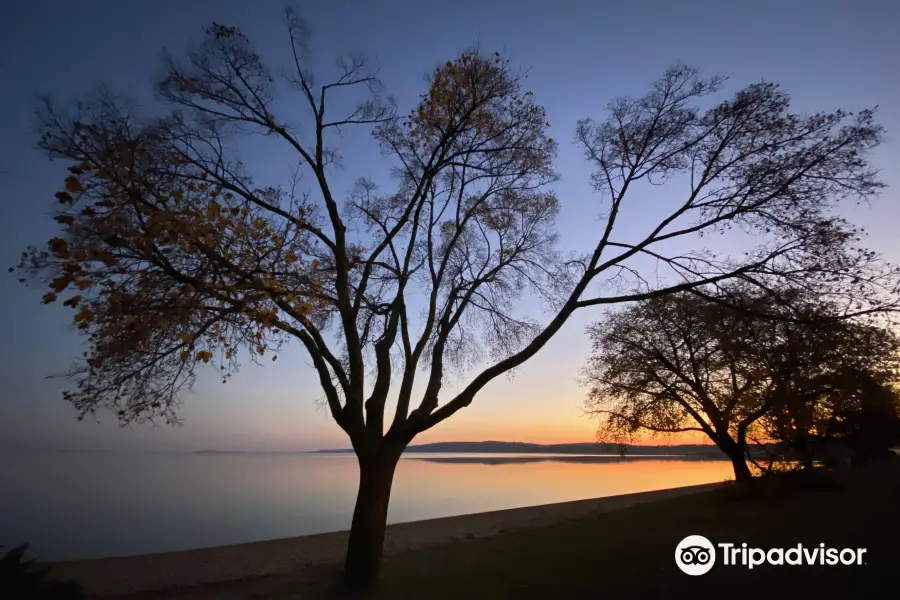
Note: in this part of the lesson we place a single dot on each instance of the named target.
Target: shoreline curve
(120, 576)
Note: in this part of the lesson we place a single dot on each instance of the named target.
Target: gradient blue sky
(827, 54)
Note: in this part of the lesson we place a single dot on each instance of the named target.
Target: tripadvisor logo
(696, 555)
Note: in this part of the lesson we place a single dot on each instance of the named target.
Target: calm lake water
(90, 505)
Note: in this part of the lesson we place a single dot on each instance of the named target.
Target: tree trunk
(735, 450)
(376, 474)
(804, 453)
(741, 469)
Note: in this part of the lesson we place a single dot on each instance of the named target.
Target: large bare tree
(178, 258)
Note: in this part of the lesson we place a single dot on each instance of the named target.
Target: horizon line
(326, 450)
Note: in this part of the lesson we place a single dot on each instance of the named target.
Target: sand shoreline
(190, 568)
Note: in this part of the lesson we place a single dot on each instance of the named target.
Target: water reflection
(81, 505)
(500, 459)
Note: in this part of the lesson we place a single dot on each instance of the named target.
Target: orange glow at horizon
(559, 430)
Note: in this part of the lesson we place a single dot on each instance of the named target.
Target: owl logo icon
(695, 555)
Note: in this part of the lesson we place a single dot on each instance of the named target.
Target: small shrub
(774, 486)
(24, 580)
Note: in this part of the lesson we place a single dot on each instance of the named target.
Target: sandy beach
(190, 568)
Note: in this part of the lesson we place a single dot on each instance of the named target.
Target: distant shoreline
(486, 447)
(493, 447)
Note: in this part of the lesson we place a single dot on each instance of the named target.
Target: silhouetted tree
(176, 256)
(678, 364)
(825, 372)
(872, 428)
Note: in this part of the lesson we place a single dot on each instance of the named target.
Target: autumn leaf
(49, 297)
(60, 283)
(72, 184)
(84, 316)
(204, 355)
(59, 247)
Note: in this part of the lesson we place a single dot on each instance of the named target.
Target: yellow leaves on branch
(109, 230)
(84, 317)
(476, 95)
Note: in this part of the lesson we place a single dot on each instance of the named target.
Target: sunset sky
(826, 54)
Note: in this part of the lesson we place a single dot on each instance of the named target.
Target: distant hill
(282, 452)
(490, 447)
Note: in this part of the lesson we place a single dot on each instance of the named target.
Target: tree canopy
(778, 369)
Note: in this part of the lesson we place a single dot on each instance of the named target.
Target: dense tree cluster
(784, 368)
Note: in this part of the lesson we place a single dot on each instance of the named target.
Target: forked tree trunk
(376, 474)
(736, 452)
